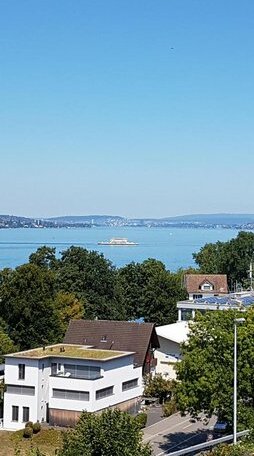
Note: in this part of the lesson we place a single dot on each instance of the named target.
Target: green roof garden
(69, 351)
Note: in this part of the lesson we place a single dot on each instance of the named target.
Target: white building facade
(56, 384)
(170, 338)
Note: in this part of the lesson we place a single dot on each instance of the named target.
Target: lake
(173, 246)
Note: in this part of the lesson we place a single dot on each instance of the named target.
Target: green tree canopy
(6, 345)
(232, 258)
(158, 386)
(110, 433)
(68, 308)
(45, 257)
(27, 307)
(93, 279)
(150, 291)
(205, 373)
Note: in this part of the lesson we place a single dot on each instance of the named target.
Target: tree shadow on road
(179, 440)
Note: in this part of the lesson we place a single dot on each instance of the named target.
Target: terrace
(70, 351)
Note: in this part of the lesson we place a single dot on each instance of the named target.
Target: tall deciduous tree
(27, 306)
(150, 291)
(6, 345)
(92, 278)
(205, 373)
(45, 257)
(68, 308)
(110, 433)
(232, 258)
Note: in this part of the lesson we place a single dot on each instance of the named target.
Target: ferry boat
(117, 241)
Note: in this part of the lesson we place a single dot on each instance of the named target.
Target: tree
(158, 386)
(150, 291)
(205, 373)
(27, 295)
(45, 257)
(6, 345)
(68, 308)
(93, 279)
(110, 433)
(232, 258)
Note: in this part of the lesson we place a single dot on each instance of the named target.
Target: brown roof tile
(118, 335)
(194, 281)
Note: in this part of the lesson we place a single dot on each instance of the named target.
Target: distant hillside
(237, 221)
(220, 219)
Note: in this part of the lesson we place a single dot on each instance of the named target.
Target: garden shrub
(141, 419)
(36, 428)
(28, 432)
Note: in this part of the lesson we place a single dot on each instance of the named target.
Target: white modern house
(170, 338)
(56, 383)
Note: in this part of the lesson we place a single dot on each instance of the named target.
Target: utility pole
(238, 321)
(250, 275)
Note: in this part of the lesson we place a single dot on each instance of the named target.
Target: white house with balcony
(56, 383)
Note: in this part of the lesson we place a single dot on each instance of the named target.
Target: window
(86, 372)
(53, 368)
(105, 392)
(197, 296)
(17, 389)
(207, 286)
(25, 414)
(130, 384)
(69, 394)
(104, 338)
(42, 367)
(15, 413)
(21, 371)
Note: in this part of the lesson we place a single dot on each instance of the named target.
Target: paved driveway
(176, 432)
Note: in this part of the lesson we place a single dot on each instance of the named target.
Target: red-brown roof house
(201, 285)
(140, 338)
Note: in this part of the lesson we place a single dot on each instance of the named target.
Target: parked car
(221, 427)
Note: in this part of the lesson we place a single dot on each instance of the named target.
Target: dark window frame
(22, 371)
(25, 414)
(22, 390)
(129, 384)
(99, 394)
(58, 393)
(15, 411)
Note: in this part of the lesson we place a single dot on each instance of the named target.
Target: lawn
(47, 440)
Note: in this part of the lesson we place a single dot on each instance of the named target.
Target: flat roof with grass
(69, 351)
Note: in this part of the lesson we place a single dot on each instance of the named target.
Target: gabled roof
(115, 335)
(193, 282)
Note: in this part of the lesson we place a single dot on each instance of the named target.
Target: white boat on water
(117, 241)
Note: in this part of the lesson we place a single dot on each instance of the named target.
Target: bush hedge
(141, 419)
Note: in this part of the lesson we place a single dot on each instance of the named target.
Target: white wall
(167, 356)
(11, 378)
(114, 373)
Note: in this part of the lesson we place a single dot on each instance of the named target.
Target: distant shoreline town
(205, 221)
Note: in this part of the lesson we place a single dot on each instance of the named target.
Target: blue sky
(99, 115)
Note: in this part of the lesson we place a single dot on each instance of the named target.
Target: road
(176, 432)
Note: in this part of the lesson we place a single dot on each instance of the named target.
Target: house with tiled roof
(205, 285)
(140, 338)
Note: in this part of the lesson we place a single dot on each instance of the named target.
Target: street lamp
(237, 321)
